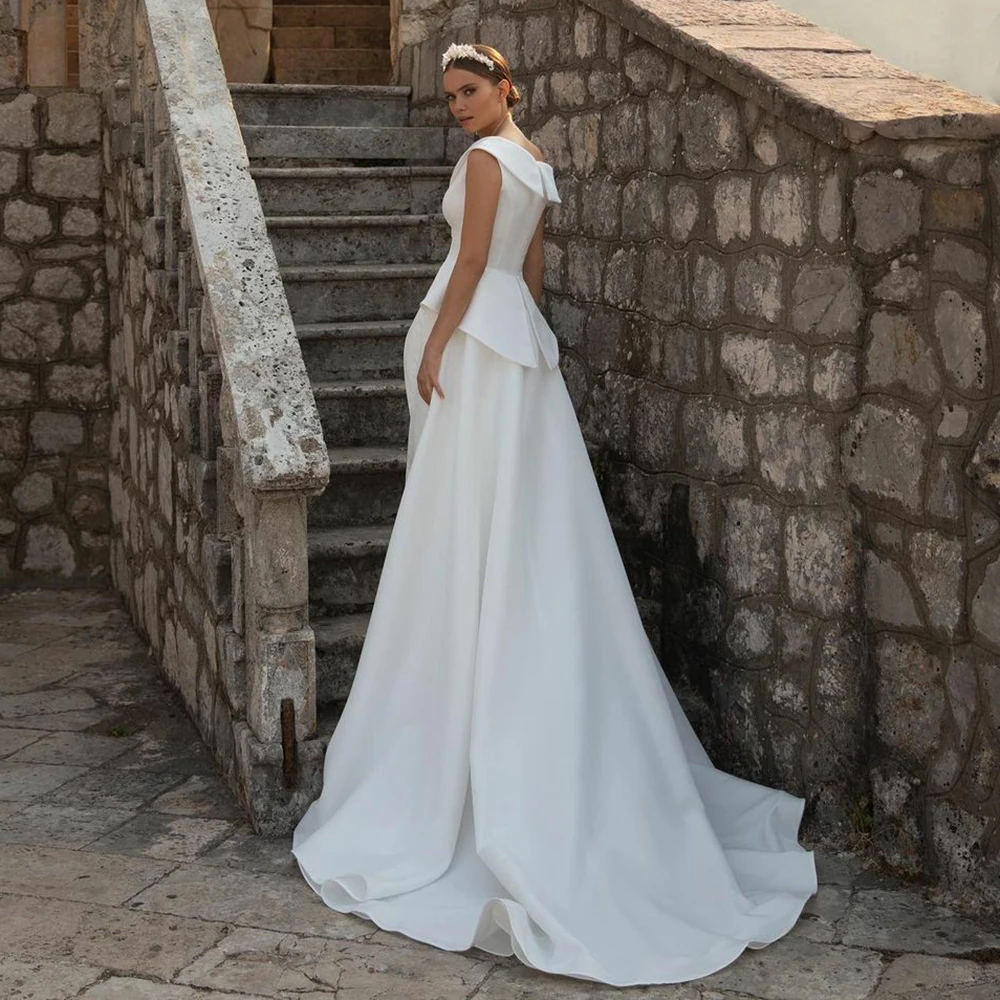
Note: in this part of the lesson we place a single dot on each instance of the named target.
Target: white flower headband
(455, 51)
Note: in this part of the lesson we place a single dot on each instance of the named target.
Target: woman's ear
(504, 87)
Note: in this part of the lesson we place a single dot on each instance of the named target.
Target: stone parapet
(216, 440)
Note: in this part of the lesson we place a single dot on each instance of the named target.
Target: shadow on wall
(953, 40)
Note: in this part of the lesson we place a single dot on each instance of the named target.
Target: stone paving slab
(128, 872)
(110, 937)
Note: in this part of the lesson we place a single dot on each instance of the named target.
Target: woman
(512, 770)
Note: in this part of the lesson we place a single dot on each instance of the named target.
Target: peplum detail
(502, 313)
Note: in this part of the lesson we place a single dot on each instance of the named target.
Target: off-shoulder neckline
(516, 145)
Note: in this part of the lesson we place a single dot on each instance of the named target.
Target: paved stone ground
(127, 872)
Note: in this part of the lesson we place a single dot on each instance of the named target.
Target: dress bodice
(502, 312)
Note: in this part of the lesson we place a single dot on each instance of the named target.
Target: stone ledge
(823, 84)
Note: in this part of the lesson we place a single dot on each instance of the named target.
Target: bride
(512, 770)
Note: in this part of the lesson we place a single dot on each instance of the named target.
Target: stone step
(329, 65)
(345, 15)
(371, 412)
(345, 142)
(344, 568)
(313, 104)
(338, 648)
(366, 36)
(351, 190)
(357, 239)
(330, 293)
(335, 351)
(365, 486)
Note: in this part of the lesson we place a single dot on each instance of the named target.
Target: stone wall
(777, 298)
(54, 406)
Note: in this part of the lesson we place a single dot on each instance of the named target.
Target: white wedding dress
(512, 770)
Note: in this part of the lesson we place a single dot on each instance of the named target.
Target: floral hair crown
(455, 51)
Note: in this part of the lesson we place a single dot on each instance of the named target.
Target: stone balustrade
(775, 280)
(216, 441)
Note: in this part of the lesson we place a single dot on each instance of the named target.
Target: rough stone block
(820, 561)
(762, 367)
(74, 118)
(757, 291)
(709, 284)
(623, 137)
(17, 388)
(67, 175)
(714, 437)
(31, 331)
(888, 596)
(683, 209)
(77, 385)
(48, 550)
(957, 210)
(26, 223)
(910, 696)
(55, 433)
(732, 209)
(34, 494)
(901, 285)
(960, 327)
(827, 303)
(968, 263)
(18, 121)
(713, 137)
(834, 378)
(883, 453)
(786, 209)
(986, 605)
(64, 283)
(887, 212)
(80, 222)
(797, 451)
(751, 546)
(89, 330)
(899, 358)
(654, 426)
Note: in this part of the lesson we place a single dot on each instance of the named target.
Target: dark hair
(500, 71)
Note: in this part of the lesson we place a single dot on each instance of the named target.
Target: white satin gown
(512, 770)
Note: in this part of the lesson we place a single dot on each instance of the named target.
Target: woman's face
(473, 100)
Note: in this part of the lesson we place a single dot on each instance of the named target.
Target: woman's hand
(427, 373)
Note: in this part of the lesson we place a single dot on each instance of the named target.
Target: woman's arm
(534, 261)
(482, 195)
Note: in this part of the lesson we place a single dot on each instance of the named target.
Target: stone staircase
(331, 42)
(353, 212)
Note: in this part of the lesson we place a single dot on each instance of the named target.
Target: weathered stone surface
(683, 209)
(31, 331)
(77, 385)
(882, 453)
(797, 452)
(827, 303)
(888, 598)
(57, 283)
(732, 208)
(757, 292)
(654, 426)
(709, 126)
(714, 438)
(955, 209)
(67, 175)
(897, 921)
(55, 433)
(48, 550)
(25, 222)
(17, 387)
(708, 290)
(954, 421)
(944, 485)
(887, 212)
(986, 605)
(762, 367)
(80, 222)
(820, 561)
(74, 119)
(901, 285)
(960, 328)
(834, 378)
(750, 546)
(786, 209)
(43, 980)
(898, 357)
(965, 262)
(18, 121)
(34, 494)
(910, 701)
